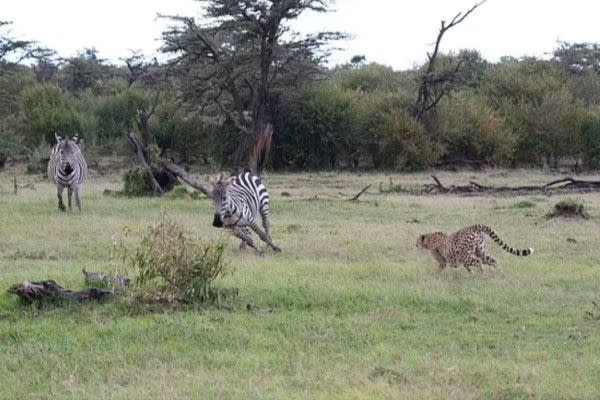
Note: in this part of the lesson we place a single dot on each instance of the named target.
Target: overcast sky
(392, 32)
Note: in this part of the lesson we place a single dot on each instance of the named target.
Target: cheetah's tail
(495, 238)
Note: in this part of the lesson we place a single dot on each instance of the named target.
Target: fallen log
(50, 291)
(556, 186)
(187, 178)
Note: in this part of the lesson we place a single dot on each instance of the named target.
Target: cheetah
(466, 246)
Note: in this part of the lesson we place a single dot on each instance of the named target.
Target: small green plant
(174, 264)
(523, 204)
(569, 208)
(136, 184)
(181, 192)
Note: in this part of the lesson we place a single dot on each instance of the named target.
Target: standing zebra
(239, 198)
(67, 168)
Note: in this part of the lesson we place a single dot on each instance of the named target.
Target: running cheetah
(467, 247)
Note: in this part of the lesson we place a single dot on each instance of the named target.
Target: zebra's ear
(75, 139)
(58, 138)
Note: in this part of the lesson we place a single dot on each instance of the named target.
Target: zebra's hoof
(276, 249)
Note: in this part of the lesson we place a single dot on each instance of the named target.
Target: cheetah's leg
(440, 259)
(485, 258)
(473, 261)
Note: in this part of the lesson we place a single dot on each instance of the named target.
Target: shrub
(591, 139)
(569, 208)
(136, 184)
(475, 132)
(174, 264)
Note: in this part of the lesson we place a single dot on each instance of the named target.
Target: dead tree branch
(187, 178)
(355, 198)
(436, 85)
(441, 187)
(141, 160)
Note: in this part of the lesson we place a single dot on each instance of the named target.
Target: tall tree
(242, 51)
(578, 58)
(13, 51)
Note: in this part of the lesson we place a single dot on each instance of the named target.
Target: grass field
(350, 308)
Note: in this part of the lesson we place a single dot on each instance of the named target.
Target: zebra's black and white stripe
(240, 198)
(67, 169)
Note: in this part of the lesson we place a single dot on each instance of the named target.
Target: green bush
(475, 132)
(48, 110)
(569, 208)
(174, 264)
(188, 137)
(591, 138)
(116, 114)
(389, 136)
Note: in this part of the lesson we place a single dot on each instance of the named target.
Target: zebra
(67, 168)
(239, 198)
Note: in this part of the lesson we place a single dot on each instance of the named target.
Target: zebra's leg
(266, 222)
(59, 194)
(263, 236)
(77, 199)
(69, 195)
(243, 244)
(244, 235)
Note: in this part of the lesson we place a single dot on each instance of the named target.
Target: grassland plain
(350, 308)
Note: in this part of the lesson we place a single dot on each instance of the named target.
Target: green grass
(350, 308)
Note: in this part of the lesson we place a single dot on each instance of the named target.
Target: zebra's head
(224, 209)
(65, 149)
(66, 146)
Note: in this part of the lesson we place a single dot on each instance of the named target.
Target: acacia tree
(13, 51)
(244, 49)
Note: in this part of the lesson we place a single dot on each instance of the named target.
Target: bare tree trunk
(435, 86)
(141, 160)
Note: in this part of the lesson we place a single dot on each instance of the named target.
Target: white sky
(391, 32)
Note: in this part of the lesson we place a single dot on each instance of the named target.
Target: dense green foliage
(514, 112)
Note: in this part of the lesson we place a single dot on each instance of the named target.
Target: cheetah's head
(430, 240)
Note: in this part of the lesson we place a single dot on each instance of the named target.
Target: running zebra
(239, 198)
(67, 168)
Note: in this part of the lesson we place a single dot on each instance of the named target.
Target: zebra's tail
(260, 153)
(517, 252)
